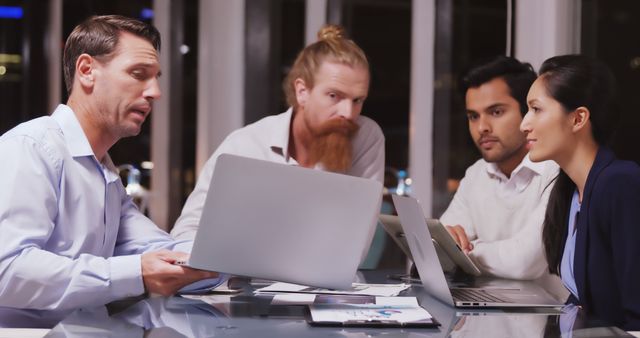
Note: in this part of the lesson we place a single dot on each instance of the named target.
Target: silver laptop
(286, 223)
(444, 243)
(433, 278)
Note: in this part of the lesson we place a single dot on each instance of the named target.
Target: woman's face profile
(547, 125)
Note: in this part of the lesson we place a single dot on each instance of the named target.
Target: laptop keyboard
(475, 295)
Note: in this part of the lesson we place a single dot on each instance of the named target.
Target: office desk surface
(246, 315)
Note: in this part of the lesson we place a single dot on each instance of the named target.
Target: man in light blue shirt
(69, 235)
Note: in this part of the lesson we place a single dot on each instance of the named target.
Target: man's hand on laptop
(460, 236)
(161, 275)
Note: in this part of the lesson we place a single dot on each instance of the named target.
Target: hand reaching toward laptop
(460, 236)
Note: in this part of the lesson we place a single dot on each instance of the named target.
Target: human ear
(302, 92)
(85, 70)
(580, 118)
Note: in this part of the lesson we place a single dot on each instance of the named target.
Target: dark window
(382, 29)
(466, 31)
(604, 26)
(23, 75)
(274, 36)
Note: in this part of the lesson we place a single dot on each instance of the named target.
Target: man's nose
(347, 110)
(483, 125)
(153, 91)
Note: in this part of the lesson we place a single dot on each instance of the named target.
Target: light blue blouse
(566, 266)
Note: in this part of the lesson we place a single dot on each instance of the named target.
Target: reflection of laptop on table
(433, 278)
(287, 223)
(440, 237)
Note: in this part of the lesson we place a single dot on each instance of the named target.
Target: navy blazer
(607, 253)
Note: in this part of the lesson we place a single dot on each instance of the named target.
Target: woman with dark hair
(591, 230)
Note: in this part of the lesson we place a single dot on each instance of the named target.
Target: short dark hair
(99, 36)
(519, 77)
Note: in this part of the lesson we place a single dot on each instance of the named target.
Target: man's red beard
(332, 146)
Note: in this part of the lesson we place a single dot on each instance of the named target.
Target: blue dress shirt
(69, 234)
(566, 266)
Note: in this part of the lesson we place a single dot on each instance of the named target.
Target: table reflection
(500, 325)
(569, 323)
(248, 315)
(158, 316)
(253, 317)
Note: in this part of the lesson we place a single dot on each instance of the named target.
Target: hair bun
(331, 32)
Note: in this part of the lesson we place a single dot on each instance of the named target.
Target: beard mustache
(332, 146)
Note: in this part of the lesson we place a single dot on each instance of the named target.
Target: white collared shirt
(69, 235)
(268, 139)
(519, 179)
(503, 218)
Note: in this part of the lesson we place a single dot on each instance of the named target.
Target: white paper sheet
(23, 333)
(293, 299)
(366, 312)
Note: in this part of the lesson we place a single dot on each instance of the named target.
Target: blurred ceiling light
(146, 13)
(11, 12)
(10, 58)
(146, 165)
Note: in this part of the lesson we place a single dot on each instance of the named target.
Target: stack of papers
(385, 290)
(362, 305)
(387, 311)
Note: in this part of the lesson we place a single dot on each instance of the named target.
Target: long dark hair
(575, 81)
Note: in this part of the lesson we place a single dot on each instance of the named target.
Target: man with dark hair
(497, 213)
(71, 237)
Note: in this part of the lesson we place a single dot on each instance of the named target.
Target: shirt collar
(280, 134)
(525, 166)
(109, 169)
(77, 141)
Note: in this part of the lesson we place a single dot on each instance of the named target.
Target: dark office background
(466, 30)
